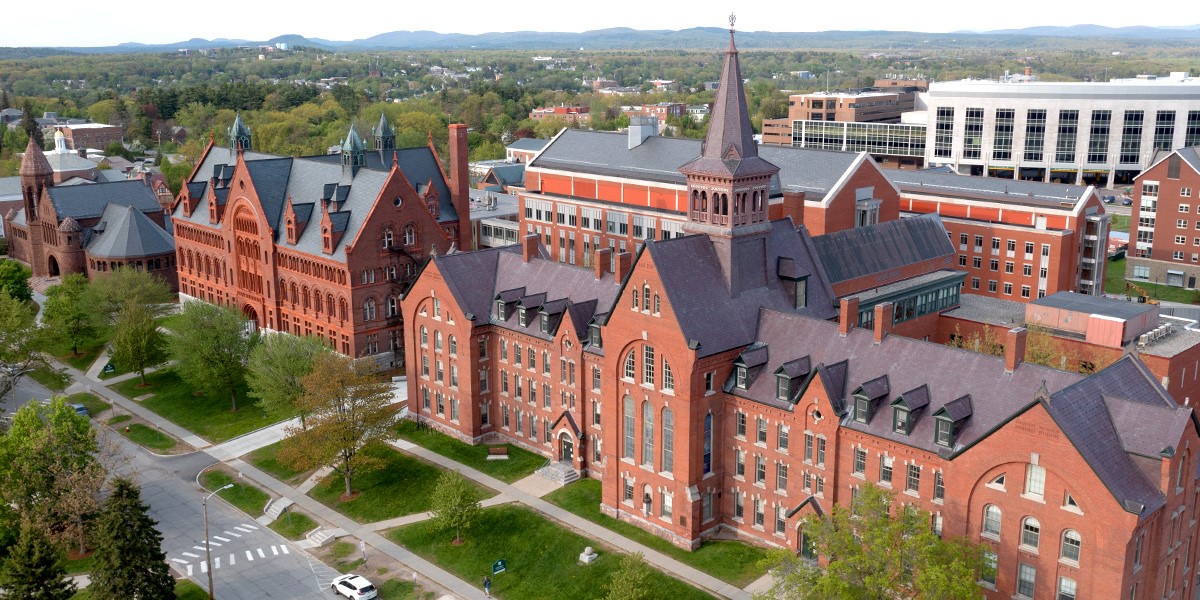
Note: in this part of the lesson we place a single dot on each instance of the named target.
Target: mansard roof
(304, 180)
(478, 278)
(124, 232)
(711, 319)
(1112, 417)
(862, 251)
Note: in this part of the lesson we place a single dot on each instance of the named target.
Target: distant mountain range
(699, 37)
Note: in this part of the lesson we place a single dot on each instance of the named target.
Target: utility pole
(207, 549)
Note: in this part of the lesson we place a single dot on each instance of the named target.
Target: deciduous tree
(631, 579)
(129, 561)
(455, 503)
(277, 366)
(20, 343)
(110, 293)
(67, 314)
(212, 347)
(14, 279)
(874, 549)
(348, 407)
(137, 343)
(35, 569)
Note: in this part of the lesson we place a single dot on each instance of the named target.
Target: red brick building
(86, 228)
(572, 115)
(1165, 244)
(320, 245)
(704, 383)
(1018, 240)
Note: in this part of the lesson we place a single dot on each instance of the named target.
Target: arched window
(1071, 545)
(668, 440)
(342, 308)
(991, 519)
(695, 200)
(295, 294)
(282, 291)
(635, 299)
(391, 306)
(453, 345)
(1179, 476)
(304, 296)
(1031, 532)
(317, 301)
(629, 428)
(704, 201)
(437, 341)
(387, 238)
(369, 309)
(631, 364)
(645, 297)
(329, 304)
(708, 442)
(410, 235)
(657, 304)
(647, 434)
(424, 336)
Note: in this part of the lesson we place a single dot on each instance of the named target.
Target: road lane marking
(249, 556)
(217, 563)
(275, 550)
(285, 550)
(241, 529)
(203, 567)
(260, 553)
(201, 548)
(232, 533)
(248, 525)
(190, 555)
(213, 544)
(180, 561)
(189, 570)
(231, 561)
(217, 537)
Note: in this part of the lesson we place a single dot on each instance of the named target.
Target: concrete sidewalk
(654, 557)
(240, 446)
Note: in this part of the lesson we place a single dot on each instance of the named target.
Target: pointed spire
(239, 135)
(353, 142)
(384, 135)
(34, 162)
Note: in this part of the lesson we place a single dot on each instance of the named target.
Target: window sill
(667, 475)
(913, 493)
(862, 476)
(887, 485)
(1069, 563)
(1078, 511)
(1027, 549)
(938, 501)
(1033, 498)
(987, 535)
(760, 485)
(647, 468)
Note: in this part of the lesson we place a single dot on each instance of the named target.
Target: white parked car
(355, 587)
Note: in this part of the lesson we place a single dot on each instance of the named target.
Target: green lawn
(401, 589)
(89, 349)
(1114, 283)
(266, 459)
(542, 557)
(520, 463)
(55, 381)
(185, 589)
(148, 437)
(170, 322)
(1120, 222)
(117, 420)
(246, 497)
(400, 485)
(93, 402)
(206, 415)
(727, 560)
(293, 525)
(80, 565)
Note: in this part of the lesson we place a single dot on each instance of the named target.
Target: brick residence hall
(715, 383)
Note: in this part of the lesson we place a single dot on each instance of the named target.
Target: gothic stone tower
(36, 177)
(729, 185)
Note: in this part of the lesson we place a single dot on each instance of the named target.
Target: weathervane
(732, 20)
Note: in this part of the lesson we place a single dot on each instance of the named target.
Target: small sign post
(499, 566)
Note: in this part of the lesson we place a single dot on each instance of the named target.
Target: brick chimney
(793, 206)
(847, 315)
(1014, 348)
(883, 320)
(460, 184)
(602, 262)
(624, 264)
(529, 247)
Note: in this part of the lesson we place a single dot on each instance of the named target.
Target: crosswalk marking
(275, 550)
(249, 525)
(231, 560)
(241, 529)
(249, 556)
(217, 537)
(232, 533)
(189, 570)
(180, 561)
(213, 544)
(260, 553)
(203, 567)
(190, 555)
(285, 550)
(217, 563)
(201, 548)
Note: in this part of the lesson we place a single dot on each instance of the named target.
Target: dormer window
(800, 293)
(544, 322)
(943, 432)
(862, 409)
(594, 336)
(741, 377)
(500, 312)
(783, 387)
(521, 317)
(900, 420)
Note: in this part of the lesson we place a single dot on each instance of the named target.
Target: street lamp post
(207, 549)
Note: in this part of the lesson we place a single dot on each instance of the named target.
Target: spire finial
(732, 20)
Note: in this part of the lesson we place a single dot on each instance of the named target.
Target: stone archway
(566, 448)
(52, 266)
(251, 316)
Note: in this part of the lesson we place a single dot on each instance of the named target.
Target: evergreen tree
(129, 561)
(4, 101)
(35, 569)
(31, 127)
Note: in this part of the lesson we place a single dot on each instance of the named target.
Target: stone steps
(559, 472)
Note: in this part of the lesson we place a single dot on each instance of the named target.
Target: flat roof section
(1094, 305)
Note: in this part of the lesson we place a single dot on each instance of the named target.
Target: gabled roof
(124, 232)
(862, 251)
(707, 314)
(89, 201)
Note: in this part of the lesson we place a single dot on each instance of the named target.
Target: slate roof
(304, 180)
(1111, 416)
(69, 161)
(707, 314)
(1190, 155)
(528, 144)
(659, 159)
(862, 251)
(88, 201)
(507, 174)
(992, 189)
(123, 232)
(477, 278)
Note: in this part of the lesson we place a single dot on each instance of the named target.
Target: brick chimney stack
(883, 320)
(460, 184)
(602, 262)
(847, 315)
(793, 206)
(529, 247)
(1014, 348)
(624, 265)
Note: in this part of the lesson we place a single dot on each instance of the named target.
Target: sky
(79, 23)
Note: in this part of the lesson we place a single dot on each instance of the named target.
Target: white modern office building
(1077, 133)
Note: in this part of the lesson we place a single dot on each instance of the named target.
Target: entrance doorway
(566, 448)
(52, 267)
